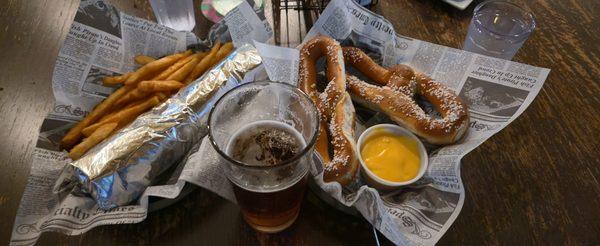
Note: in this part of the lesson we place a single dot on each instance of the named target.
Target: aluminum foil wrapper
(118, 170)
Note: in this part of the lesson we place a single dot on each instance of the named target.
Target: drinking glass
(268, 194)
(498, 29)
(176, 14)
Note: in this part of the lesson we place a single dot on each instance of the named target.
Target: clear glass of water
(264, 133)
(176, 14)
(498, 29)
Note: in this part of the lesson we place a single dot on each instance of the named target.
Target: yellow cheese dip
(391, 157)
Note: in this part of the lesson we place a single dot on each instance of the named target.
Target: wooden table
(534, 182)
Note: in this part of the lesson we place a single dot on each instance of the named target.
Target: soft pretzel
(335, 106)
(395, 77)
(395, 97)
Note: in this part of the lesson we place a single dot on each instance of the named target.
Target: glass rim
(304, 151)
(525, 12)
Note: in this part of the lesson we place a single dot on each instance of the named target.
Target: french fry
(130, 115)
(203, 65)
(128, 118)
(223, 52)
(100, 134)
(154, 67)
(182, 72)
(143, 60)
(115, 80)
(74, 134)
(135, 110)
(157, 85)
(131, 96)
(164, 74)
(123, 123)
(124, 115)
(162, 96)
(108, 114)
(87, 133)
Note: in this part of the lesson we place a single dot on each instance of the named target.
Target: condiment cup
(377, 182)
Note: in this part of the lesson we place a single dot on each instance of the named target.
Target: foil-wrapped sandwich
(118, 170)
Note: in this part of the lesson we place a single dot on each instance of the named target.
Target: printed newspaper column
(142, 37)
(280, 63)
(245, 26)
(87, 55)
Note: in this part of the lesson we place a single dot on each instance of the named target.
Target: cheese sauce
(391, 157)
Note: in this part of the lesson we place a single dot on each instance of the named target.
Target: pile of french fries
(153, 83)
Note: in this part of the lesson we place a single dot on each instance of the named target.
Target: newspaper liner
(101, 42)
(497, 92)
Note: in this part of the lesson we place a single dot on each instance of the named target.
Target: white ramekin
(377, 182)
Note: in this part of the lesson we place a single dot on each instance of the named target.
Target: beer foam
(277, 137)
(265, 142)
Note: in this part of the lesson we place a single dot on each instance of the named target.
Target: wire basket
(293, 18)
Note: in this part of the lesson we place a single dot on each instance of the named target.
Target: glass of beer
(264, 133)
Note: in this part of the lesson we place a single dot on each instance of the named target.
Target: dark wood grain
(31, 33)
(535, 182)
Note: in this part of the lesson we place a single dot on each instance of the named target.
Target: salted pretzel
(395, 97)
(335, 106)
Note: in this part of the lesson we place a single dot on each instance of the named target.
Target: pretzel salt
(335, 107)
(395, 97)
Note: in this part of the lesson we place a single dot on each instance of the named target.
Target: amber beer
(271, 199)
(271, 211)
